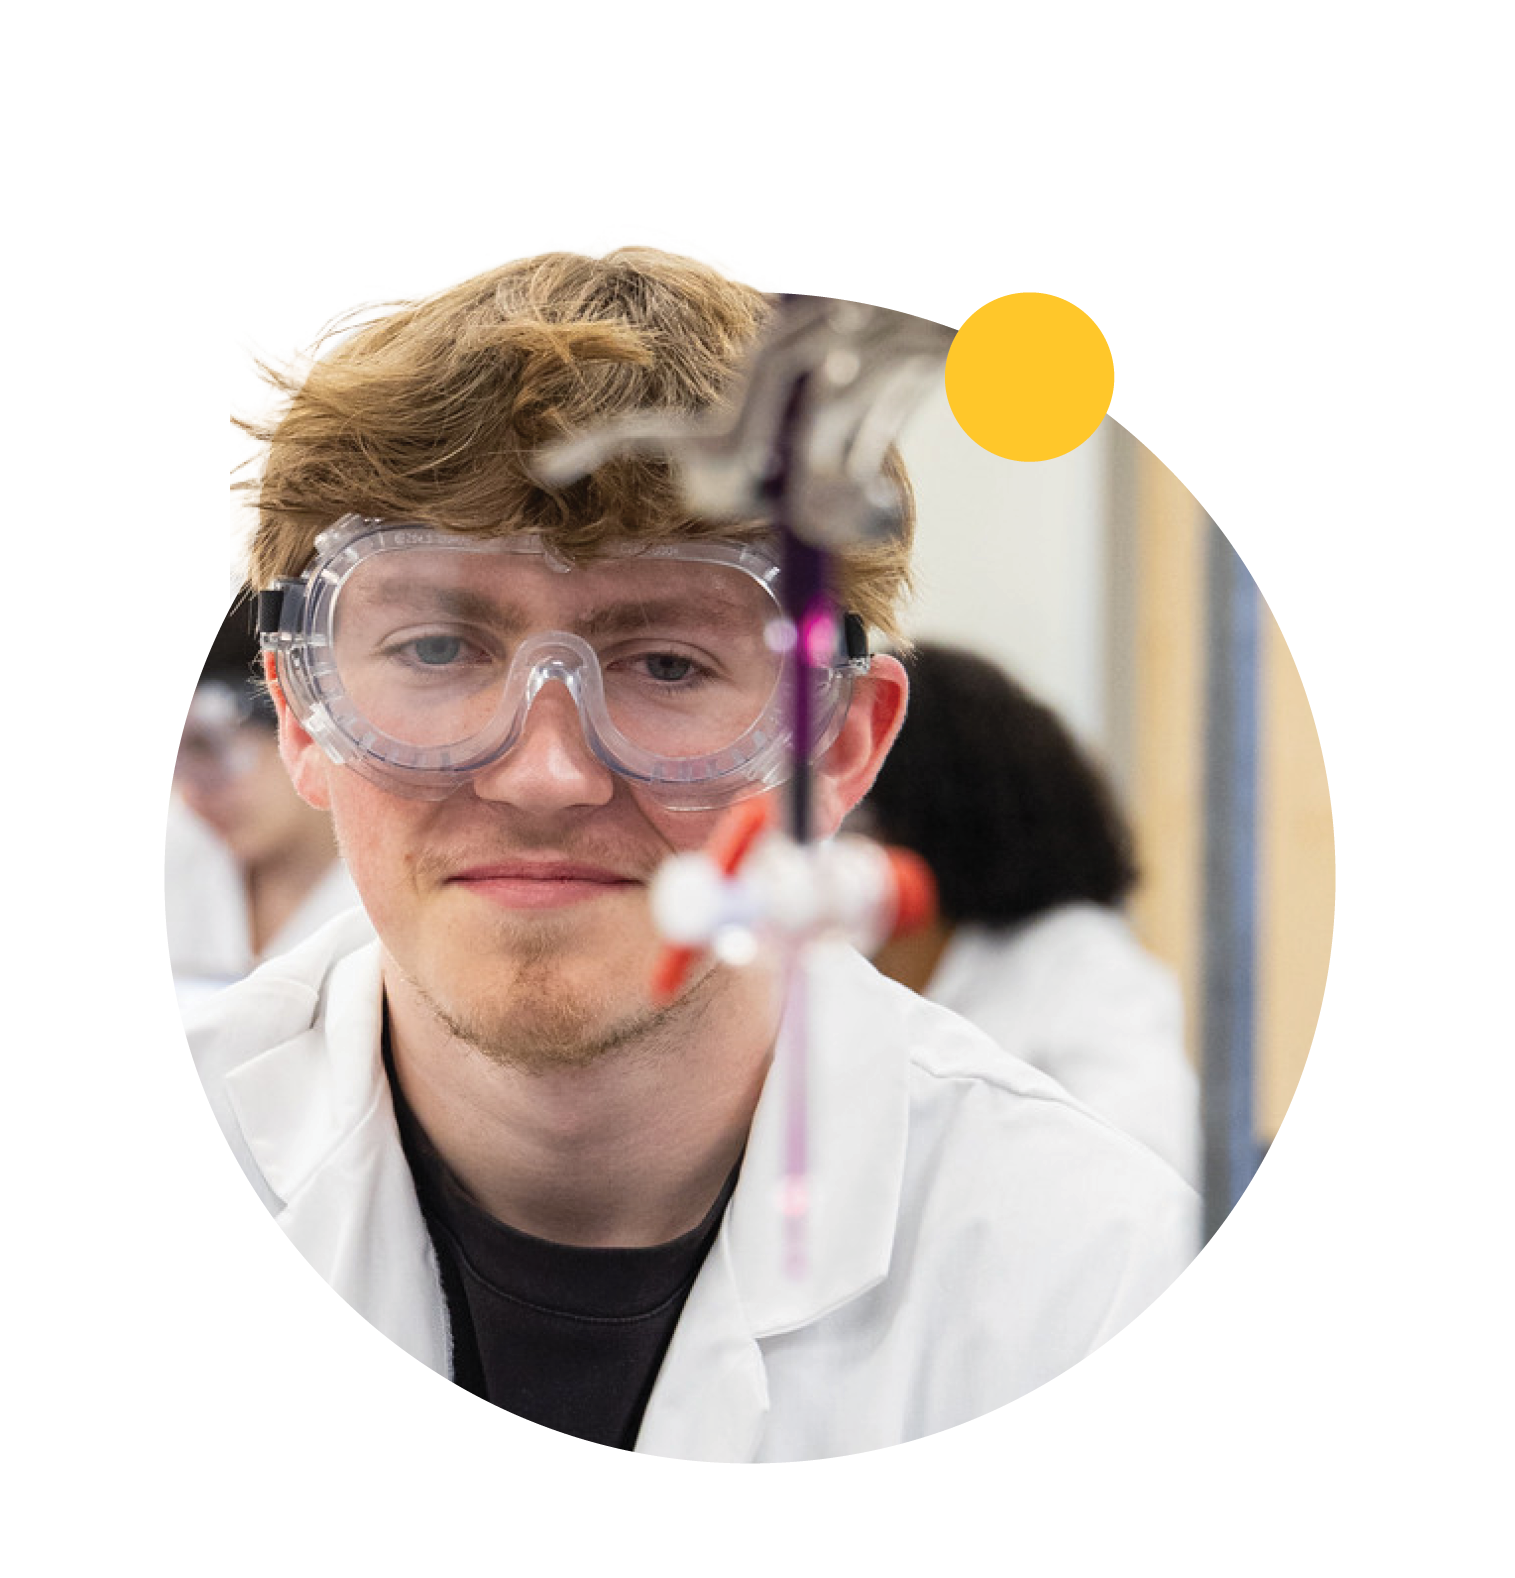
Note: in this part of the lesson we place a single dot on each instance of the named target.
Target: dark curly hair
(989, 788)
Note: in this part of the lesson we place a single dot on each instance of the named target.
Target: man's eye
(436, 651)
(668, 667)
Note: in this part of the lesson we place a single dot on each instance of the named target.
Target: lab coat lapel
(711, 1395)
(711, 1398)
(317, 1115)
(857, 1118)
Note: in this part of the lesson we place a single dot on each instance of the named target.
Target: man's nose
(551, 766)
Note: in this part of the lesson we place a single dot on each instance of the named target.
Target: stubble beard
(543, 1023)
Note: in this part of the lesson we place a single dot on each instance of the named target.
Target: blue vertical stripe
(1231, 757)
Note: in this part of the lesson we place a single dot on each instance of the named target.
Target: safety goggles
(413, 656)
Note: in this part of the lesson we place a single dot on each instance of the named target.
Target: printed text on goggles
(413, 656)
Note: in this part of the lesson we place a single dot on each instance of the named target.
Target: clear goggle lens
(428, 647)
(421, 653)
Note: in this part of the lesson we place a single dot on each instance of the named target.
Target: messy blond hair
(433, 410)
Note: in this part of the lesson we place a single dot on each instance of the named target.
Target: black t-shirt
(569, 1337)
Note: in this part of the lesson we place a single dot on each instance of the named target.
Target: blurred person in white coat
(250, 868)
(1032, 859)
(469, 1109)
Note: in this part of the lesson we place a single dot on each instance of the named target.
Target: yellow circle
(1029, 376)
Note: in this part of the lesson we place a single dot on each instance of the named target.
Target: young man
(480, 1124)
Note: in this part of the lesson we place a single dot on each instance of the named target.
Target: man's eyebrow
(626, 614)
(460, 602)
(639, 613)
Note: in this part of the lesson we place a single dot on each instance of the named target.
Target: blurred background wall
(1090, 578)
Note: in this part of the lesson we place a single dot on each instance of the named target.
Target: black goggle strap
(278, 608)
(855, 643)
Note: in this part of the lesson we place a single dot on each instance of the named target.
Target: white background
(1288, 223)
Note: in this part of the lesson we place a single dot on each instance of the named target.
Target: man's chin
(542, 1023)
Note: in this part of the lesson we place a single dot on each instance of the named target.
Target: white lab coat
(1076, 995)
(972, 1230)
(205, 909)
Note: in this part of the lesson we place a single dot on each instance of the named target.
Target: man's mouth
(540, 884)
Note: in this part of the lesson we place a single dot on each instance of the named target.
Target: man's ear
(846, 772)
(306, 763)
